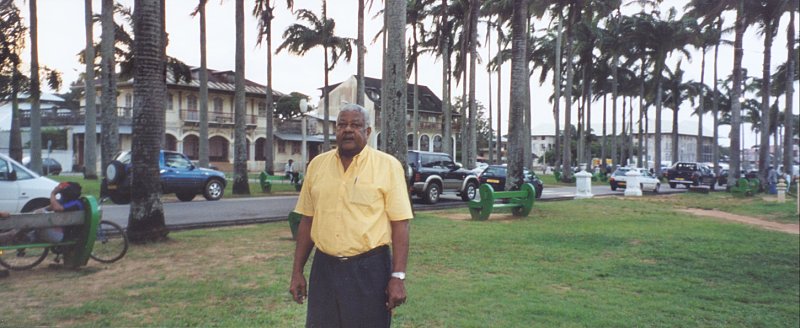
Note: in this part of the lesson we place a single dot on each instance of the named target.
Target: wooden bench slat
(37, 245)
(43, 220)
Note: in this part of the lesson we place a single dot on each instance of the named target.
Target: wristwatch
(399, 275)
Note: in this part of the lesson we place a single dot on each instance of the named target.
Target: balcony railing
(64, 117)
(193, 116)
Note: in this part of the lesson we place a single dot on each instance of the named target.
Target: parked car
(691, 174)
(647, 181)
(723, 177)
(479, 167)
(22, 190)
(49, 165)
(495, 176)
(178, 176)
(435, 173)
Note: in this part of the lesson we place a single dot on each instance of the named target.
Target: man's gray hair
(356, 108)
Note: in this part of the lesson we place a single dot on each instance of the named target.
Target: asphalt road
(200, 213)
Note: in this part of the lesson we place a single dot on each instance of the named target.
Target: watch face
(399, 275)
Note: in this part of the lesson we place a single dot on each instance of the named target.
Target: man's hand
(395, 293)
(298, 287)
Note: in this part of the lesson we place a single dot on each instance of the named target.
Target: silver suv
(435, 173)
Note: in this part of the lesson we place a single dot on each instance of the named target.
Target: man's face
(351, 133)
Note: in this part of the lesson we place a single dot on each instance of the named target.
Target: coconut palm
(35, 92)
(415, 14)
(203, 75)
(146, 220)
(394, 81)
(263, 10)
(108, 79)
(299, 39)
(676, 92)
(240, 180)
(90, 137)
(519, 74)
(12, 41)
(790, 76)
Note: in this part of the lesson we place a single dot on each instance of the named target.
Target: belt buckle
(343, 259)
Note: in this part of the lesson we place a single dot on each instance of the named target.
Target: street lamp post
(303, 147)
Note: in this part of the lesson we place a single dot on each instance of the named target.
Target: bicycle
(110, 245)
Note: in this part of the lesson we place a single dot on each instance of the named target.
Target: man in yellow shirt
(354, 204)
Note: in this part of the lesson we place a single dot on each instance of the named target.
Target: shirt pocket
(364, 193)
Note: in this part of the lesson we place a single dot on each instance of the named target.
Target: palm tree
(203, 146)
(768, 15)
(264, 11)
(90, 140)
(394, 80)
(415, 14)
(299, 39)
(240, 179)
(108, 80)
(788, 123)
(12, 41)
(472, 151)
(519, 74)
(677, 92)
(36, 123)
(146, 220)
(361, 49)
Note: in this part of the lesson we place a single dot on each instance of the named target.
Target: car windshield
(495, 171)
(124, 157)
(621, 171)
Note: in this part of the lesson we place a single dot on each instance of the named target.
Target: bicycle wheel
(111, 243)
(23, 258)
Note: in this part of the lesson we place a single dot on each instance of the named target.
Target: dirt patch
(792, 228)
(461, 216)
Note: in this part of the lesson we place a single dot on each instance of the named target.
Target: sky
(61, 37)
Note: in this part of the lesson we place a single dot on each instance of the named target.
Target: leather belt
(371, 252)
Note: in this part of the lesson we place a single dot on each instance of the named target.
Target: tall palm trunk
(394, 80)
(269, 154)
(240, 184)
(326, 143)
(715, 105)
(603, 142)
(203, 144)
(489, 82)
(675, 149)
(498, 140)
(36, 114)
(108, 79)
(519, 73)
(567, 152)
(15, 139)
(788, 124)
(557, 89)
(146, 220)
(766, 117)
(90, 140)
(361, 50)
(447, 114)
(473, 106)
(701, 110)
(736, 106)
(415, 122)
(642, 115)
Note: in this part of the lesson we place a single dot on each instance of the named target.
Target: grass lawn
(604, 262)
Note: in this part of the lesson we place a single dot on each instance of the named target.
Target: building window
(424, 142)
(282, 146)
(296, 146)
(262, 108)
(128, 100)
(169, 101)
(191, 102)
(437, 143)
(217, 105)
(410, 140)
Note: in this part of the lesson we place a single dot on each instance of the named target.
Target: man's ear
(369, 131)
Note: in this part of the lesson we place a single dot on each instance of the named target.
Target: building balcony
(192, 117)
(65, 117)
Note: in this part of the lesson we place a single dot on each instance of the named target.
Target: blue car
(495, 175)
(178, 176)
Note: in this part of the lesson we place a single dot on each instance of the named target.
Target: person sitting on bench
(65, 197)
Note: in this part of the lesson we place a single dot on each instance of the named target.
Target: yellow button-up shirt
(352, 209)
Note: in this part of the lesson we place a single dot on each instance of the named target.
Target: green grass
(608, 262)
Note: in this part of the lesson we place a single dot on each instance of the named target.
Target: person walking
(355, 204)
(288, 169)
(772, 181)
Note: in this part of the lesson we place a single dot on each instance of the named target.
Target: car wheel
(115, 172)
(469, 191)
(185, 196)
(672, 185)
(658, 186)
(119, 198)
(432, 193)
(613, 187)
(35, 205)
(712, 186)
(213, 190)
(539, 192)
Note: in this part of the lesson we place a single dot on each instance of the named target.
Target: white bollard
(583, 185)
(632, 187)
(781, 187)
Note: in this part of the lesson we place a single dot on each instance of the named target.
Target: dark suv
(691, 174)
(434, 173)
(178, 176)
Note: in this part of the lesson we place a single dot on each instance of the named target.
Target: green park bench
(267, 180)
(78, 240)
(520, 202)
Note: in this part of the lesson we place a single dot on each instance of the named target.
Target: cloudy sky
(61, 37)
